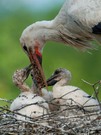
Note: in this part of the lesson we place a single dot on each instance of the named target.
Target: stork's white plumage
(77, 23)
(27, 103)
(70, 95)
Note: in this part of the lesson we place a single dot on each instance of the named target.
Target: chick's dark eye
(57, 72)
(25, 48)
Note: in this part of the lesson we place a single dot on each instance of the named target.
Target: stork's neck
(48, 31)
(61, 83)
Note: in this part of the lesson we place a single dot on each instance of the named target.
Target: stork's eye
(25, 48)
(57, 72)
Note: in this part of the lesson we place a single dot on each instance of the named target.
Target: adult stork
(77, 24)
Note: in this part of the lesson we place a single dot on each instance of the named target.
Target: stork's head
(61, 76)
(32, 41)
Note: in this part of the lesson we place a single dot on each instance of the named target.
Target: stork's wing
(87, 13)
(80, 22)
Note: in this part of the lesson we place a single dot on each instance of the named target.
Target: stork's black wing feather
(97, 28)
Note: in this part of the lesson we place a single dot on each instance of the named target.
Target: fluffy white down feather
(22, 105)
(72, 95)
(47, 95)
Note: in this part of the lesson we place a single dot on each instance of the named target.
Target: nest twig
(53, 123)
(88, 123)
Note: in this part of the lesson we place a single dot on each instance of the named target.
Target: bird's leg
(20, 76)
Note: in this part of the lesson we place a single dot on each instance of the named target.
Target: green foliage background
(83, 65)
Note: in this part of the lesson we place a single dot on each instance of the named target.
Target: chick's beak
(52, 80)
(27, 70)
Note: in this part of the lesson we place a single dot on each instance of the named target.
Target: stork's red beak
(35, 58)
(38, 55)
(36, 61)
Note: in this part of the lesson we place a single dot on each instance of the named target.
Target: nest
(57, 122)
(53, 123)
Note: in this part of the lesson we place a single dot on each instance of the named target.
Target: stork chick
(20, 76)
(70, 95)
(27, 103)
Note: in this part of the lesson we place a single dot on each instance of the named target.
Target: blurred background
(15, 16)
